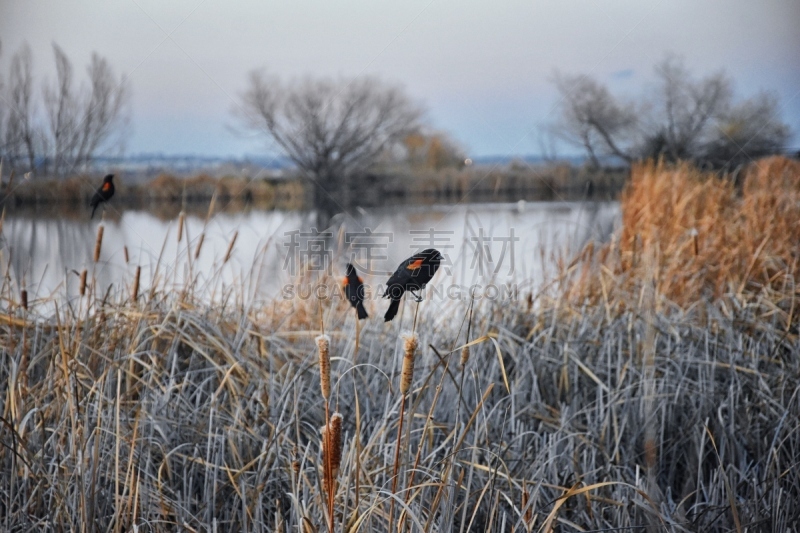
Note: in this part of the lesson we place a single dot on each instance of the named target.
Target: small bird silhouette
(354, 290)
(412, 275)
(103, 194)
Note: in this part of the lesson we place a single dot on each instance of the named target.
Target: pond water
(483, 244)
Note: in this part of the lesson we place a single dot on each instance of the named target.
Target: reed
(209, 214)
(181, 222)
(709, 239)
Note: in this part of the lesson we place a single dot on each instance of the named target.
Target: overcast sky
(482, 70)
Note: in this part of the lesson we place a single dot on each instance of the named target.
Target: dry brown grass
(165, 187)
(170, 413)
(698, 237)
(201, 185)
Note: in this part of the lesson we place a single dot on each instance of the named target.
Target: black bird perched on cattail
(412, 275)
(103, 194)
(354, 290)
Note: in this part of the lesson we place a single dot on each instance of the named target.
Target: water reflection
(502, 242)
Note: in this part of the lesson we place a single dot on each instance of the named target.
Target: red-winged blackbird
(103, 194)
(354, 290)
(412, 275)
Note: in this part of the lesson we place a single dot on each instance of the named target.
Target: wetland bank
(651, 381)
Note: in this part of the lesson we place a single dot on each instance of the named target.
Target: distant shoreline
(169, 192)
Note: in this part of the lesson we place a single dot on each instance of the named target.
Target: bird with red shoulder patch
(354, 290)
(103, 194)
(412, 275)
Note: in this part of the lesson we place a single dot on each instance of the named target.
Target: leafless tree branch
(72, 125)
(686, 118)
(328, 128)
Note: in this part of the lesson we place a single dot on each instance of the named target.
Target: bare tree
(748, 130)
(329, 128)
(2, 118)
(684, 118)
(62, 111)
(72, 126)
(103, 111)
(686, 108)
(20, 131)
(593, 119)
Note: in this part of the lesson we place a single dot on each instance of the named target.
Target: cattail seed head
(525, 499)
(199, 245)
(694, 233)
(332, 433)
(410, 342)
(181, 220)
(23, 295)
(125, 251)
(83, 282)
(323, 346)
(135, 292)
(230, 247)
(98, 243)
(464, 356)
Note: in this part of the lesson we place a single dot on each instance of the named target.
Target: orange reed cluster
(698, 235)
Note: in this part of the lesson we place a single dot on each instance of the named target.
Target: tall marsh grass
(710, 240)
(601, 408)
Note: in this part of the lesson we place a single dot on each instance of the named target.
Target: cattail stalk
(230, 247)
(125, 252)
(181, 221)
(98, 243)
(464, 356)
(135, 292)
(323, 347)
(83, 283)
(410, 343)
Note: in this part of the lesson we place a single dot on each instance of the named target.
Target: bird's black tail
(94, 208)
(392, 311)
(362, 312)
